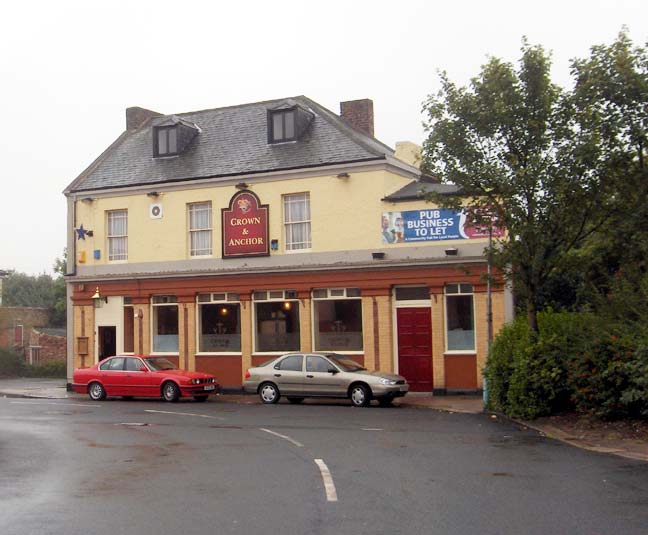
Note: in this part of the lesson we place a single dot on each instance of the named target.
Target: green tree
(521, 151)
(59, 308)
(22, 290)
(611, 94)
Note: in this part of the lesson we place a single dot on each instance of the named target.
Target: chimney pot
(359, 114)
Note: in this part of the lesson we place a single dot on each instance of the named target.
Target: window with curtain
(297, 221)
(167, 141)
(165, 323)
(337, 315)
(277, 320)
(200, 229)
(219, 327)
(117, 235)
(282, 126)
(460, 321)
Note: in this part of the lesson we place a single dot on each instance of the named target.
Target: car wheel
(96, 392)
(386, 401)
(170, 391)
(269, 393)
(295, 401)
(360, 396)
(201, 398)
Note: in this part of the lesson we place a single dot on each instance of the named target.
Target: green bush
(11, 363)
(610, 380)
(51, 369)
(528, 378)
(512, 340)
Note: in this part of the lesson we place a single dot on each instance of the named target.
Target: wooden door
(414, 329)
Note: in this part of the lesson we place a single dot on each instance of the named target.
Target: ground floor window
(165, 324)
(460, 321)
(277, 321)
(337, 314)
(219, 323)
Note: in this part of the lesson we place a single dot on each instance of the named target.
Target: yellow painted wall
(345, 215)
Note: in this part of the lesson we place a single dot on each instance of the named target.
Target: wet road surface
(144, 467)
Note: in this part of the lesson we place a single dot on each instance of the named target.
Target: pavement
(633, 449)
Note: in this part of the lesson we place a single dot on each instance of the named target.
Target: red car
(130, 376)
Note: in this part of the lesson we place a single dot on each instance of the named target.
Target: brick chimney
(359, 114)
(136, 117)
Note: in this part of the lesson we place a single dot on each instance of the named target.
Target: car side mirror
(143, 369)
(333, 371)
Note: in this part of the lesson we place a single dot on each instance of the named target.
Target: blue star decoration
(82, 233)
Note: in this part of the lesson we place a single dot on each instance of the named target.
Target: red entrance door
(415, 347)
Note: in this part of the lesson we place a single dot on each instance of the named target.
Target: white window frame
(209, 229)
(290, 245)
(172, 301)
(271, 295)
(445, 315)
(216, 298)
(341, 294)
(110, 237)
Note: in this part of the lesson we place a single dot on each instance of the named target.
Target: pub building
(221, 238)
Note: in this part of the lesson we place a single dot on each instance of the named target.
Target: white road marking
(372, 429)
(329, 486)
(298, 444)
(185, 414)
(54, 403)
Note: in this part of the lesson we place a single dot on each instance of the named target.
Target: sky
(69, 69)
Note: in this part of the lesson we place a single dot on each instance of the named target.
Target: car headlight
(196, 381)
(384, 381)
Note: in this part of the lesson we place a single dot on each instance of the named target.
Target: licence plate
(403, 389)
(210, 387)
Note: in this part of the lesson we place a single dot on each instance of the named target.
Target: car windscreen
(160, 364)
(347, 364)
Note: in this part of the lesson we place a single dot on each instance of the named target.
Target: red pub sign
(245, 226)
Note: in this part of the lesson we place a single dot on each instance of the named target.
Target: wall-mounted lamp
(287, 305)
(242, 185)
(343, 175)
(87, 200)
(274, 245)
(139, 313)
(452, 251)
(153, 194)
(98, 299)
(378, 255)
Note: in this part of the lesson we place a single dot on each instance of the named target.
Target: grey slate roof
(232, 141)
(414, 191)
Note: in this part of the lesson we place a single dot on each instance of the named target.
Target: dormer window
(166, 141)
(172, 136)
(281, 125)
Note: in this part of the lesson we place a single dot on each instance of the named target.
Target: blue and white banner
(430, 225)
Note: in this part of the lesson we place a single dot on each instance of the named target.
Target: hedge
(577, 362)
(13, 365)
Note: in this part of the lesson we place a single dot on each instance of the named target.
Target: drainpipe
(489, 307)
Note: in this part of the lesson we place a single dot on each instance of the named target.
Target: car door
(320, 381)
(113, 376)
(288, 373)
(138, 382)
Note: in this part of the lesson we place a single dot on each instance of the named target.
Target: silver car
(298, 376)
